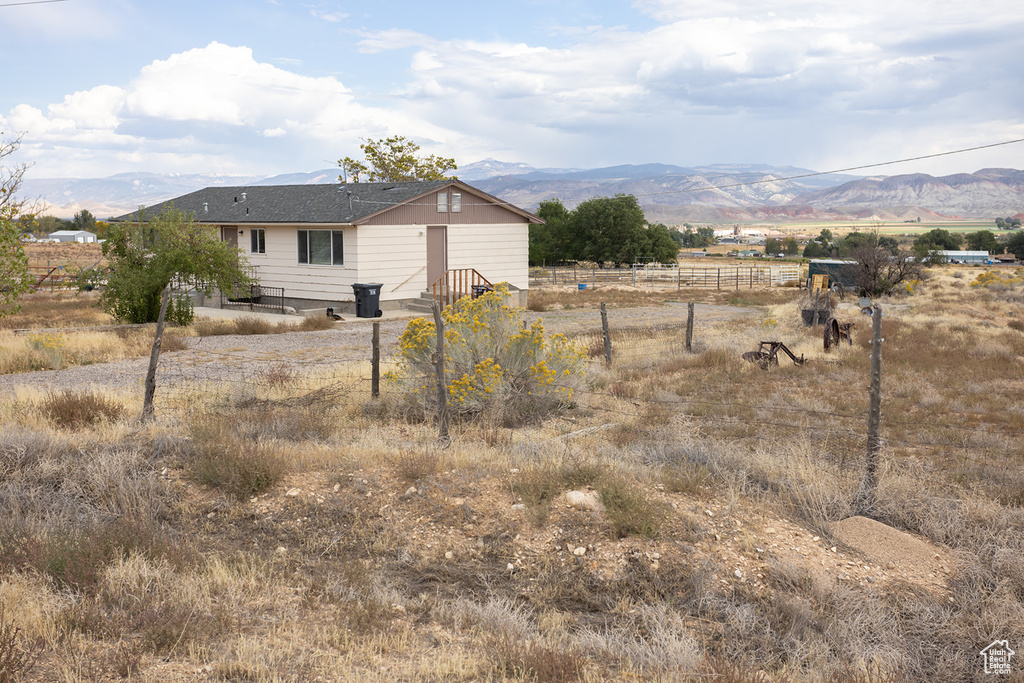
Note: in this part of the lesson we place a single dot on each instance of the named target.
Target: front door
(437, 252)
(229, 234)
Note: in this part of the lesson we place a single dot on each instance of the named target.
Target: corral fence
(53, 278)
(671, 277)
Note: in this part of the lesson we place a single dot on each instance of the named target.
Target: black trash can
(480, 290)
(367, 300)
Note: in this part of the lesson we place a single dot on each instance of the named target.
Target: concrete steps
(422, 304)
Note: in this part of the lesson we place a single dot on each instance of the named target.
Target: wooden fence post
(443, 438)
(375, 363)
(154, 358)
(865, 498)
(689, 327)
(607, 336)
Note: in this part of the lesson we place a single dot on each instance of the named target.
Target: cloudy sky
(273, 86)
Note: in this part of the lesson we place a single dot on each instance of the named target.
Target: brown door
(229, 234)
(437, 252)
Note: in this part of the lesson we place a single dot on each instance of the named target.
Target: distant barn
(80, 236)
(840, 272)
(966, 256)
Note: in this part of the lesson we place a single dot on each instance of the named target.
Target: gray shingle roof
(293, 203)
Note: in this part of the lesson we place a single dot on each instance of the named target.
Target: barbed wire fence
(212, 376)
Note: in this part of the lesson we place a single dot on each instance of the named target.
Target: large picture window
(322, 247)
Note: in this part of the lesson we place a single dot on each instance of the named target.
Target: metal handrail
(455, 284)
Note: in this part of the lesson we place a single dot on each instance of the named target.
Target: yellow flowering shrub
(1000, 279)
(493, 361)
(49, 351)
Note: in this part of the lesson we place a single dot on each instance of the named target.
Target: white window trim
(333, 263)
(253, 232)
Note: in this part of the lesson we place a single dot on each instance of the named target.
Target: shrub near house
(495, 365)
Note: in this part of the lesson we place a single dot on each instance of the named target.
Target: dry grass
(56, 344)
(74, 410)
(161, 552)
(44, 310)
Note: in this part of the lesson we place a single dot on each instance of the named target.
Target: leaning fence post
(443, 437)
(607, 336)
(375, 363)
(689, 327)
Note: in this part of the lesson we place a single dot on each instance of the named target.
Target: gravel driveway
(239, 357)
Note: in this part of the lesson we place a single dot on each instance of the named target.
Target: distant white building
(966, 256)
(80, 236)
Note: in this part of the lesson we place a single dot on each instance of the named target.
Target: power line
(743, 184)
(29, 2)
(838, 170)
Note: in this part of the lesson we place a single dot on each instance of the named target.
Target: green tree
(790, 246)
(815, 249)
(168, 252)
(937, 240)
(84, 220)
(677, 237)
(1015, 245)
(772, 246)
(1000, 224)
(154, 263)
(663, 248)
(609, 230)
(984, 240)
(394, 160)
(855, 240)
(14, 275)
(549, 242)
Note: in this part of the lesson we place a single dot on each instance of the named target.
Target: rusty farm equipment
(835, 332)
(768, 354)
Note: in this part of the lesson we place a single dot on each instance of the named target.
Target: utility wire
(838, 170)
(743, 184)
(29, 2)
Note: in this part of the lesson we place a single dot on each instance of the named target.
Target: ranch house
(417, 240)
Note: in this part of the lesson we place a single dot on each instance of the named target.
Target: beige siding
(394, 255)
(280, 267)
(499, 252)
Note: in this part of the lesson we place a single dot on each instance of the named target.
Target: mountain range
(668, 194)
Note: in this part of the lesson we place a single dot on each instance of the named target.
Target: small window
(321, 247)
(442, 202)
(456, 202)
(257, 241)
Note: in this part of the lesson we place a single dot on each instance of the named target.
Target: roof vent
(243, 196)
(206, 207)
